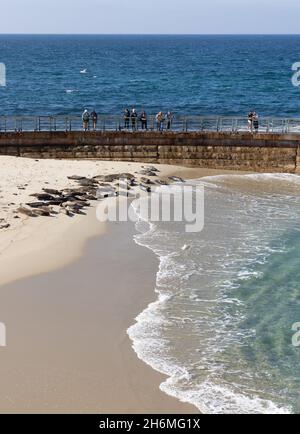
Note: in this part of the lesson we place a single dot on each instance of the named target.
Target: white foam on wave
(150, 346)
(219, 399)
(286, 177)
(208, 397)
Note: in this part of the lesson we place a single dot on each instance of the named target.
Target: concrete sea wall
(243, 151)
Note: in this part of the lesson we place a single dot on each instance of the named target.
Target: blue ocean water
(222, 326)
(224, 75)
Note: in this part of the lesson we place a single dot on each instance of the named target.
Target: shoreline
(29, 293)
(79, 359)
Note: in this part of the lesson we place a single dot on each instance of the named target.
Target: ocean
(190, 75)
(221, 328)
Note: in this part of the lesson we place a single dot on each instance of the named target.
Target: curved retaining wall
(243, 151)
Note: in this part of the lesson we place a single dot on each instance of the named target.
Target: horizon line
(148, 34)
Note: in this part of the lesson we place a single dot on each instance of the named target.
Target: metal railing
(179, 124)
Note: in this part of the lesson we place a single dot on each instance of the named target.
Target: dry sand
(60, 239)
(67, 346)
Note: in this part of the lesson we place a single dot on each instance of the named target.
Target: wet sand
(67, 346)
(67, 303)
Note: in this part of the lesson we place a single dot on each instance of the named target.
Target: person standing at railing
(160, 119)
(255, 122)
(94, 117)
(85, 120)
(133, 119)
(143, 120)
(250, 121)
(126, 118)
(170, 118)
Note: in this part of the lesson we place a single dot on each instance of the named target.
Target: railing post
(288, 126)
(220, 124)
(115, 123)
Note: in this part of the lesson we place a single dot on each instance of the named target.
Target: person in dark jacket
(126, 118)
(94, 118)
(255, 122)
(143, 120)
(170, 118)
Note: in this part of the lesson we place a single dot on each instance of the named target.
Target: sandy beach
(70, 288)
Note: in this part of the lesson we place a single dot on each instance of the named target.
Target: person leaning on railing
(160, 120)
(143, 120)
(94, 117)
(133, 119)
(126, 118)
(85, 120)
(250, 121)
(170, 118)
(255, 122)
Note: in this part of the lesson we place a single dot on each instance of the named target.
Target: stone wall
(244, 151)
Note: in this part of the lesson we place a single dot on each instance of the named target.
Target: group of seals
(75, 200)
